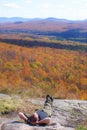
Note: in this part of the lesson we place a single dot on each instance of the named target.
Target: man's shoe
(49, 100)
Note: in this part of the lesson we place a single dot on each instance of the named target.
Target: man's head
(33, 117)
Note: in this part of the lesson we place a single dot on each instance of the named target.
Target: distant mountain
(56, 19)
(43, 25)
(13, 19)
(18, 19)
(60, 28)
(51, 19)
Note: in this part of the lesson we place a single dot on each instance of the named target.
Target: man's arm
(44, 121)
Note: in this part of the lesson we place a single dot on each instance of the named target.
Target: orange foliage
(60, 72)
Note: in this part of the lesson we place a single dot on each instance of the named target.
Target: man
(40, 117)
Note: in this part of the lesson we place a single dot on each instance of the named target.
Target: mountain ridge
(59, 28)
(16, 19)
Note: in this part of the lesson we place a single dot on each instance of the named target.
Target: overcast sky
(65, 9)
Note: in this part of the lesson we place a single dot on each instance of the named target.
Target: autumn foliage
(36, 71)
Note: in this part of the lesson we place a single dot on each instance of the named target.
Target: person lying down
(40, 117)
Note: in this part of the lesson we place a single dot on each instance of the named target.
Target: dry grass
(16, 105)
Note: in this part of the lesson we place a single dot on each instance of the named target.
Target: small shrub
(81, 128)
(6, 106)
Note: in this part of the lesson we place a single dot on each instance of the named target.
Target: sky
(63, 9)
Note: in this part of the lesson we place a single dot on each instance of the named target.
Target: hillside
(38, 70)
(42, 56)
(59, 28)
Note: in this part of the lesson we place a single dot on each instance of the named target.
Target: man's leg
(48, 105)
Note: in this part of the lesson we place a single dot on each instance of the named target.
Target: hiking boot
(49, 100)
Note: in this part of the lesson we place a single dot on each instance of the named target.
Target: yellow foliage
(83, 81)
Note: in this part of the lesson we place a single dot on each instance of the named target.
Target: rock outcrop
(21, 126)
(67, 115)
(4, 96)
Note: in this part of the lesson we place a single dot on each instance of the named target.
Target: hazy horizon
(43, 18)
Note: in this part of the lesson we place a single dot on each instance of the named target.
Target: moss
(81, 128)
(6, 106)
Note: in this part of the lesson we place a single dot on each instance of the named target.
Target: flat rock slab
(4, 96)
(70, 113)
(21, 126)
(67, 115)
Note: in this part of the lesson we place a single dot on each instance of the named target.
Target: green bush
(6, 106)
(81, 128)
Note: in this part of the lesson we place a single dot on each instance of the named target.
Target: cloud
(28, 1)
(45, 5)
(11, 5)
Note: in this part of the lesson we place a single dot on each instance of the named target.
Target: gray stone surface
(4, 96)
(67, 115)
(21, 126)
(70, 112)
